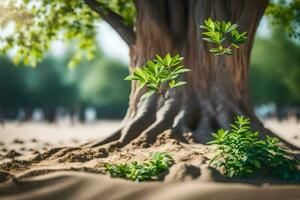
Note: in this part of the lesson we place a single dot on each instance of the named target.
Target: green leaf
(182, 70)
(210, 34)
(227, 27)
(141, 84)
(232, 27)
(129, 78)
(147, 94)
(140, 73)
(234, 45)
(159, 59)
(172, 83)
(180, 83)
(168, 59)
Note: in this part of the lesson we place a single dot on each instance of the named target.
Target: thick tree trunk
(217, 88)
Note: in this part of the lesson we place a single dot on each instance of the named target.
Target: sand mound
(188, 159)
(51, 172)
(78, 185)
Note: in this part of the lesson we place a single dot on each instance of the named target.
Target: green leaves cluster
(224, 35)
(47, 21)
(240, 152)
(159, 75)
(286, 14)
(124, 8)
(134, 171)
(36, 24)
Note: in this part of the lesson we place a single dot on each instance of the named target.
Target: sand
(34, 165)
(78, 185)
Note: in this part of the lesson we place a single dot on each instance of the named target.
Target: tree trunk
(217, 87)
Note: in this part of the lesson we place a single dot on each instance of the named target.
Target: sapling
(159, 75)
(240, 152)
(135, 171)
(224, 36)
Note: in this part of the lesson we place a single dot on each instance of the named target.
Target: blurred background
(52, 93)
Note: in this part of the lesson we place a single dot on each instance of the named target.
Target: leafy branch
(159, 75)
(224, 35)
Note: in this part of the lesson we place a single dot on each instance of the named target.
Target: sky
(110, 42)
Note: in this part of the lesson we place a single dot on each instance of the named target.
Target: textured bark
(217, 87)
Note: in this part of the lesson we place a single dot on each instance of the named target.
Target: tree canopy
(31, 25)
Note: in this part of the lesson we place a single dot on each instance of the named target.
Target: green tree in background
(51, 85)
(275, 70)
(101, 85)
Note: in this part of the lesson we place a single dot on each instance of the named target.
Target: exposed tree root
(188, 123)
(131, 128)
(164, 120)
(181, 114)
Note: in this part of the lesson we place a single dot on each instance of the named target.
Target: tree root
(189, 121)
(181, 113)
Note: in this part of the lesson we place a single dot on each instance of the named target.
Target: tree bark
(217, 87)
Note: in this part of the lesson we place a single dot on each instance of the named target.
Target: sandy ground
(70, 185)
(38, 136)
(57, 133)
(31, 151)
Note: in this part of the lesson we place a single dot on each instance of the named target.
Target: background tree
(275, 78)
(51, 85)
(217, 89)
(101, 87)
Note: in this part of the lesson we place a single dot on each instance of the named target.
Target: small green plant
(240, 152)
(159, 75)
(224, 35)
(134, 171)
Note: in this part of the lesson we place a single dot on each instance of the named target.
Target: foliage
(286, 14)
(124, 8)
(265, 69)
(37, 23)
(47, 21)
(240, 152)
(159, 75)
(94, 83)
(223, 35)
(100, 84)
(31, 88)
(33, 25)
(159, 163)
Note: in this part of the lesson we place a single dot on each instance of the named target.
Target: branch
(115, 21)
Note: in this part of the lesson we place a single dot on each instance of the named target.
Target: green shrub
(240, 152)
(159, 163)
(223, 35)
(159, 75)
